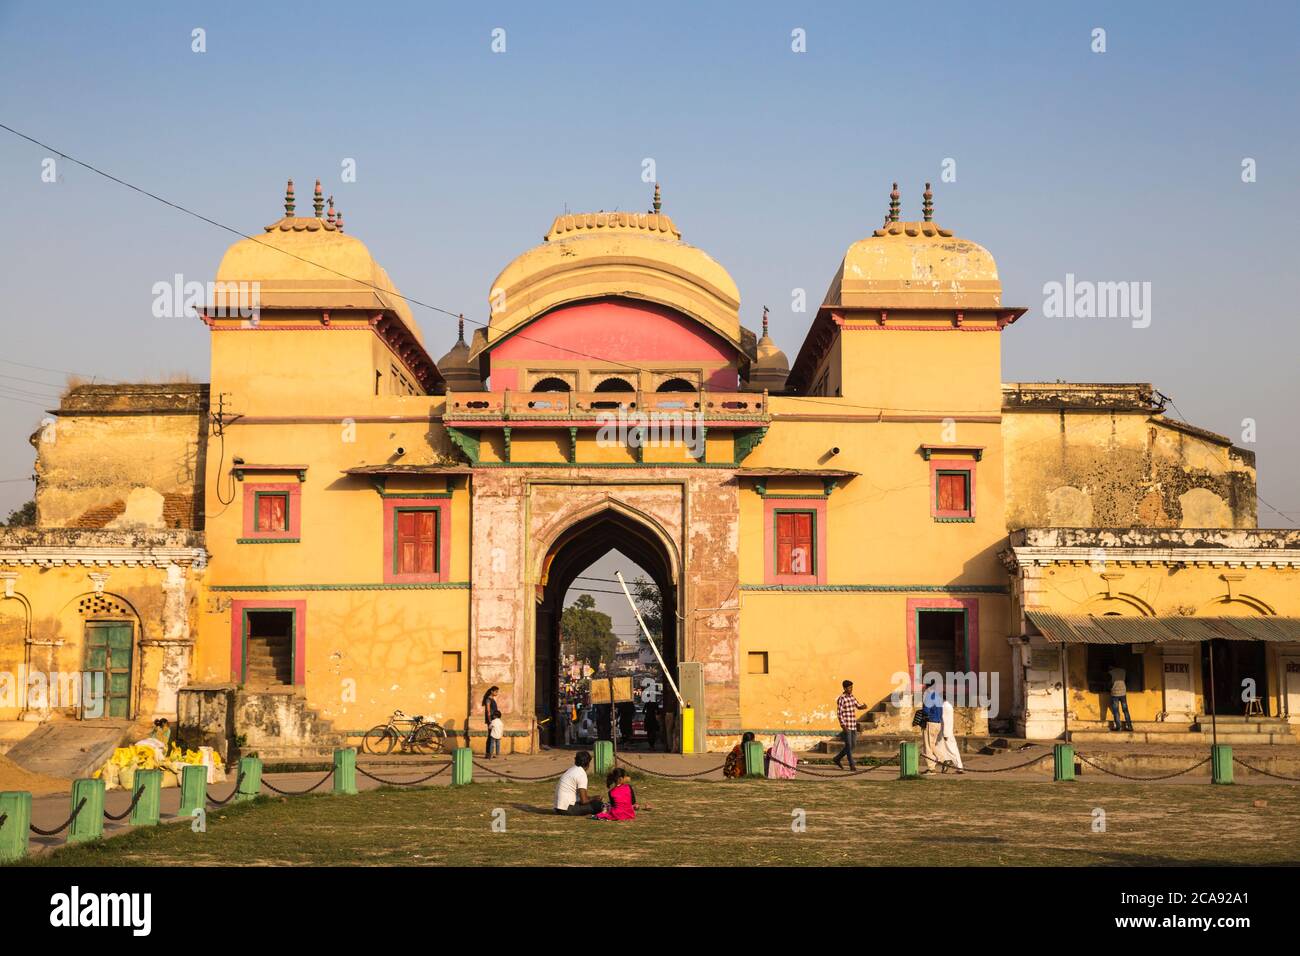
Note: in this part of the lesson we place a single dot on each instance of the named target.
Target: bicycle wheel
(430, 739)
(379, 740)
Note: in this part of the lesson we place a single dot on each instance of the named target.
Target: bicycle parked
(421, 736)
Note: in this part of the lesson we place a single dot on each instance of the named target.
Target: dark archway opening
(551, 385)
(567, 573)
(677, 385)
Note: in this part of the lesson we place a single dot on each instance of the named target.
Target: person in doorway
(734, 766)
(847, 707)
(946, 750)
(492, 720)
(932, 732)
(622, 798)
(626, 715)
(1119, 698)
(651, 719)
(571, 797)
(670, 730)
(604, 722)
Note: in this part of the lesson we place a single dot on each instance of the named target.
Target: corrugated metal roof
(1110, 629)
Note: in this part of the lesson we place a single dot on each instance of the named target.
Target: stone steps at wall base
(1201, 739)
(886, 745)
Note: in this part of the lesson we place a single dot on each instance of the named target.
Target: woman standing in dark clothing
(491, 712)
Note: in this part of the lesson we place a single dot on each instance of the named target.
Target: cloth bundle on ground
(119, 770)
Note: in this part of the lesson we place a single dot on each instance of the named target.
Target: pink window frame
(952, 464)
(237, 609)
(440, 504)
(972, 608)
(293, 494)
(771, 506)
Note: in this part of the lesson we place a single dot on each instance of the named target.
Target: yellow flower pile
(119, 770)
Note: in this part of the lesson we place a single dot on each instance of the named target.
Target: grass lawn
(932, 822)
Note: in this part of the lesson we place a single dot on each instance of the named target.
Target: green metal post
(1222, 763)
(603, 758)
(1062, 762)
(251, 770)
(462, 766)
(908, 759)
(753, 759)
(345, 771)
(89, 824)
(194, 789)
(16, 809)
(149, 807)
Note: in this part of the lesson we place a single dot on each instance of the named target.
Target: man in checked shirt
(847, 707)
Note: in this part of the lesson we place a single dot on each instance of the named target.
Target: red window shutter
(271, 513)
(407, 542)
(417, 542)
(951, 493)
(426, 540)
(794, 543)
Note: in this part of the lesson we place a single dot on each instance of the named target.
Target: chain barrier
(63, 826)
(948, 763)
(834, 776)
(239, 782)
(1124, 776)
(515, 776)
(402, 783)
(127, 812)
(1266, 773)
(618, 758)
(296, 793)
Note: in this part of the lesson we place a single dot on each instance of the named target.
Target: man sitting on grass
(571, 790)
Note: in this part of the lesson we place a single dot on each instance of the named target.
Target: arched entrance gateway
(536, 529)
(576, 549)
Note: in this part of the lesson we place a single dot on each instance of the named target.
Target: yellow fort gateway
(338, 525)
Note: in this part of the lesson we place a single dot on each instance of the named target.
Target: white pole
(646, 631)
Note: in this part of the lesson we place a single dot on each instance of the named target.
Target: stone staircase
(1238, 730)
(269, 662)
(278, 723)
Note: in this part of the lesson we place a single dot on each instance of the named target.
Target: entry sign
(622, 691)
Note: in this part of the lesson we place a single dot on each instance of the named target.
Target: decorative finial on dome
(460, 329)
(288, 199)
(658, 199)
(318, 200)
(927, 204)
(330, 215)
(893, 204)
(765, 321)
(338, 220)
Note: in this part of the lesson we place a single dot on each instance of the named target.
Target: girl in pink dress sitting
(622, 798)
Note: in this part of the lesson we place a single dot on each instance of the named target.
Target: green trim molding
(959, 520)
(268, 540)
(416, 586)
(886, 588)
(467, 440)
(745, 440)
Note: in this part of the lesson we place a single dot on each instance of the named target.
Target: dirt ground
(14, 777)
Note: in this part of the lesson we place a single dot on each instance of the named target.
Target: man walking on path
(847, 707)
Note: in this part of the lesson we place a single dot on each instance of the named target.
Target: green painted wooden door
(108, 651)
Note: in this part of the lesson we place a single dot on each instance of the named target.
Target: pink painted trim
(443, 507)
(237, 609)
(972, 638)
(292, 488)
(770, 507)
(951, 464)
(922, 328)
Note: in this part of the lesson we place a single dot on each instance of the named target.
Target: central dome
(619, 254)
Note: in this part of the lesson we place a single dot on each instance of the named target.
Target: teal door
(108, 652)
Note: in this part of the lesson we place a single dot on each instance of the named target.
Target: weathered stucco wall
(123, 456)
(1104, 456)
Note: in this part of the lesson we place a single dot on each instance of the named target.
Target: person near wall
(846, 708)
(932, 732)
(571, 798)
(781, 761)
(1119, 698)
(948, 753)
(734, 765)
(651, 719)
(492, 720)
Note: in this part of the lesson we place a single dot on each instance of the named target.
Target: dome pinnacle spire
(318, 200)
(893, 205)
(927, 204)
(288, 199)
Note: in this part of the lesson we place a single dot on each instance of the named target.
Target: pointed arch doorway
(570, 554)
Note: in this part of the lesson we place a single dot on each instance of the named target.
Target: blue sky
(1115, 166)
